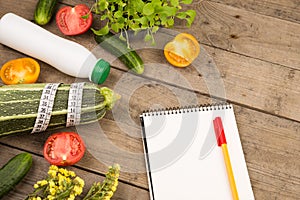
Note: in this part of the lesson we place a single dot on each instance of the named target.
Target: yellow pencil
(221, 139)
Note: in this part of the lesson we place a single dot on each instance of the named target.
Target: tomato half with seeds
(74, 20)
(64, 148)
(182, 50)
(21, 70)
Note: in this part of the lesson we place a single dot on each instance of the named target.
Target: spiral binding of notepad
(186, 109)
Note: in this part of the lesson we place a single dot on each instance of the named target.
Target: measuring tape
(47, 102)
(45, 107)
(74, 104)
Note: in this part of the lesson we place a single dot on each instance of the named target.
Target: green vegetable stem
(138, 15)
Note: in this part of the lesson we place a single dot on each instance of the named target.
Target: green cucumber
(14, 171)
(19, 106)
(44, 11)
(119, 48)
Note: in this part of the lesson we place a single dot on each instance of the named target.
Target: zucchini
(119, 48)
(44, 11)
(19, 106)
(14, 171)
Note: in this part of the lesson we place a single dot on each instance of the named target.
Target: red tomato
(70, 21)
(65, 148)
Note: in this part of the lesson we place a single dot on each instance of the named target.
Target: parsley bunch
(138, 15)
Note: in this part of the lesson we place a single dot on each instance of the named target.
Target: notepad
(183, 159)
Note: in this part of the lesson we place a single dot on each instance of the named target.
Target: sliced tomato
(182, 50)
(21, 70)
(74, 20)
(64, 148)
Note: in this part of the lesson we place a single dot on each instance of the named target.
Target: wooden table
(256, 48)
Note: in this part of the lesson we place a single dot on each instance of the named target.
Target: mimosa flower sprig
(106, 189)
(62, 184)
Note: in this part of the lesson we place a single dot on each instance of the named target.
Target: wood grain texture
(276, 85)
(252, 61)
(282, 9)
(271, 144)
(250, 34)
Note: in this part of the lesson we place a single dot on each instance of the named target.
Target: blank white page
(176, 168)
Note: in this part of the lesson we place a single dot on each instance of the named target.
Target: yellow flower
(68, 180)
(52, 191)
(50, 197)
(79, 181)
(61, 179)
(52, 173)
(113, 188)
(53, 167)
(72, 174)
(77, 189)
(43, 182)
(110, 193)
(61, 187)
(51, 184)
(63, 172)
(72, 197)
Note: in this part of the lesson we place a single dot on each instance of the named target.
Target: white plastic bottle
(65, 55)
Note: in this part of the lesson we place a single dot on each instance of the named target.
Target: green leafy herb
(121, 16)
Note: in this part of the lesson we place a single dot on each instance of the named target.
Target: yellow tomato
(182, 50)
(22, 70)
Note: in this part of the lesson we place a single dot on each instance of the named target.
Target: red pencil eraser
(219, 131)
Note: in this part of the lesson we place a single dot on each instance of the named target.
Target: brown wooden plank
(39, 170)
(277, 95)
(255, 83)
(27, 11)
(250, 34)
(276, 85)
(282, 9)
(271, 144)
(249, 31)
(268, 87)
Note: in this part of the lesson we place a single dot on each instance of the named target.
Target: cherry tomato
(182, 50)
(21, 70)
(64, 148)
(70, 20)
